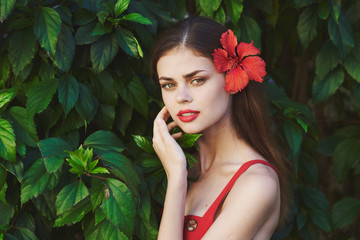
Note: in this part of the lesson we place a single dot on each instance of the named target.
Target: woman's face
(193, 90)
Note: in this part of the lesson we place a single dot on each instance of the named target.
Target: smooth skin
(252, 207)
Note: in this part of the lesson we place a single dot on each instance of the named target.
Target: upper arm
(254, 198)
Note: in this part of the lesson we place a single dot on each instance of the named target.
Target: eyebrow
(189, 75)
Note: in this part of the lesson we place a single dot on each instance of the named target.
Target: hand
(168, 150)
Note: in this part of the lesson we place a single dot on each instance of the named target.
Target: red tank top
(195, 227)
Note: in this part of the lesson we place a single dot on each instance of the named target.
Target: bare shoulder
(260, 174)
(251, 208)
(258, 187)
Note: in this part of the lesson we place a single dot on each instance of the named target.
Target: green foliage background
(76, 100)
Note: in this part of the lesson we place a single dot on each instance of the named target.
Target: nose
(183, 95)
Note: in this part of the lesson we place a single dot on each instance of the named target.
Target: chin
(190, 130)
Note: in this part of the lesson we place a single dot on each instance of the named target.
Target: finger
(171, 126)
(160, 115)
(163, 130)
(177, 135)
(163, 114)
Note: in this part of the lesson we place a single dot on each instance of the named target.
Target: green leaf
(104, 141)
(188, 140)
(74, 214)
(6, 212)
(53, 153)
(249, 30)
(70, 195)
(6, 95)
(81, 160)
(65, 14)
(307, 25)
(37, 180)
(109, 231)
(3, 175)
(83, 16)
(47, 27)
(21, 49)
(335, 9)
(7, 141)
(345, 157)
(85, 103)
(122, 168)
(101, 29)
(346, 31)
(220, 16)
(120, 7)
(105, 89)
(210, 7)
(6, 8)
(334, 33)
(321, 218)
(352, 66)
(45, 203)
(97, 192)
(326, 146)
(99, 215)
(234, 9)
(106, 116)
(128, 42)
(191, 160)
(103, 231)
(136, 17)
(300, 220)
(345, 212)
(68, 92)
(125, 111)
(328, 85)
(323, 10)
(99, 170)
(326, 60)
(135, 95)
(103, 51)
(40, 96)
(24, 128)
(144, 143)
(120, 208)
(22, 233)
(15, 169)
(4, 67)
(83, 34)
(293, 134)
(65, 49)
(314, 198)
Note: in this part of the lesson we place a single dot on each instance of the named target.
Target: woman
(207, 87)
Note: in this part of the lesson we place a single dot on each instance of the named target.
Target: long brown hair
(249, 107)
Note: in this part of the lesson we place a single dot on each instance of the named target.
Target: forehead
(181, 61)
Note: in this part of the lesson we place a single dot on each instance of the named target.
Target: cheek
(169, 104)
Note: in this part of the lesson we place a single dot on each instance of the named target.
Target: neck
(220, 145)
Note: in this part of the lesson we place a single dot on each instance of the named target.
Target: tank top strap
(210, 213)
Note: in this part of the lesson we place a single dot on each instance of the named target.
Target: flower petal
(245, 49)
(228, 41)
(255, 68)
(221, 60)
(236, 80)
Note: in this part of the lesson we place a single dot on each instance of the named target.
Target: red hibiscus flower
(239, 62)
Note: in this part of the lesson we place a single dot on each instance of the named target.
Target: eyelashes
(195, 82)
(167, 85)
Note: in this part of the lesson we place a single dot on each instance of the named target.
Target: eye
(167, 85)
(198, 81)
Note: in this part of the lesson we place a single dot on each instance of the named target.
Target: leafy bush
(76, 100)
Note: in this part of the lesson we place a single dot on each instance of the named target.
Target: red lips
(187, 115)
